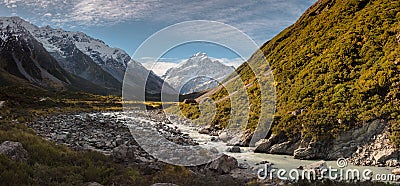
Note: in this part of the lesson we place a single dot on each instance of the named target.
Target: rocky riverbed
(103, 132)
(108, 133)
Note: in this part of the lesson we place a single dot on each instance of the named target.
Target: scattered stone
(13, 150)
(223, 164)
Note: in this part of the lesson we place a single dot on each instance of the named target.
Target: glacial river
(284, 162)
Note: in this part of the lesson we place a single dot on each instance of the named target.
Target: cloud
(253, 17)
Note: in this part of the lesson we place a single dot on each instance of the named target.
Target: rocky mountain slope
(88, 58)
(196, 74)
(24, 61)
(335, 70)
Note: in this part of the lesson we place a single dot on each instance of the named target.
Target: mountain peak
(196, 74)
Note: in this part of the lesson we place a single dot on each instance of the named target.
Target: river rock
(224, 136)
(204, 131)
(223, 164)
(244, 165)
(316, 165)
(396, 171)
(13, 150)
(234, 149)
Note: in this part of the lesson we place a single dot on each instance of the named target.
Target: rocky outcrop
(13, 150)
(276, 144)
(378, 153)
(223, 164)
(343, 145)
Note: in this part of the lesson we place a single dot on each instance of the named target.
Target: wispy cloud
(256, 18)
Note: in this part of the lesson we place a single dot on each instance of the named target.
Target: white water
(285, 162)
(247, 155)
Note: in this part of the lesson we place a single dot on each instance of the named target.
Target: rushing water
(248, 156)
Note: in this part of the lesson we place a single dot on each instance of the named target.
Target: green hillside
(339, 63)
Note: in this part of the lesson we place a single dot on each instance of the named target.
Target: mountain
(196, 74)
(88, 58)
(335, 70)
(24, 62)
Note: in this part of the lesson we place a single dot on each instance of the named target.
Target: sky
(126, 24)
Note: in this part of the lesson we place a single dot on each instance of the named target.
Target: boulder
(396, 171)
(204, 131)
(13, 150)
(223, 164)
(234, 149)
(224, 136)
(263, 146)
(120, 153)
(244, 165)
(188, 101)
(305, 153)
(283, 148)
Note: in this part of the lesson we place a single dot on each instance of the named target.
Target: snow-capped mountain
(25, 62)
(84, 56)
(196, 74)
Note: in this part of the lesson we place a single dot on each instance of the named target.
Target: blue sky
(126, 24)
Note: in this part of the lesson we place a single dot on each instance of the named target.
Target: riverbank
(107, 133)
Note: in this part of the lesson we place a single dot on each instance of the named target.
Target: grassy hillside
(339, 63)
